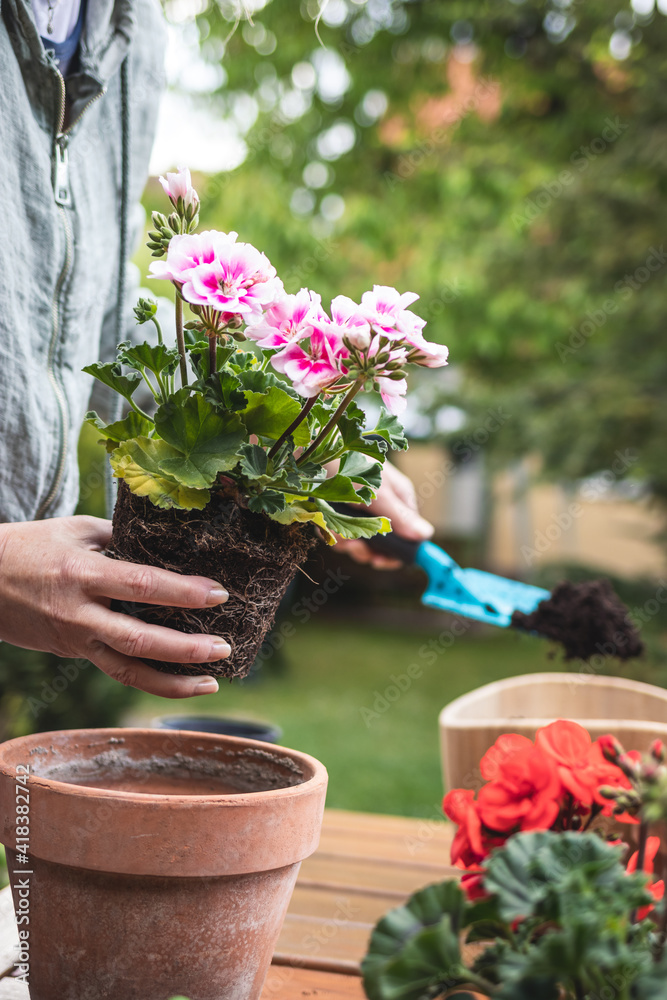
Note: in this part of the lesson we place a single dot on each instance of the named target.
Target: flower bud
(657, 751)
(145, 309)
(178, 188)
(359, 339)
(610, 747)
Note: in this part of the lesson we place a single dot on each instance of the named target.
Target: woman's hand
(397, 500)
(56, 589)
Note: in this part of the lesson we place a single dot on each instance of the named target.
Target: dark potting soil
(253, 557)
(586, 619)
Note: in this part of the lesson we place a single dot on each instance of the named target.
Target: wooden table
(366, 864)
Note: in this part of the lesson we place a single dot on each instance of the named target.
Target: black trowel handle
(392, 546)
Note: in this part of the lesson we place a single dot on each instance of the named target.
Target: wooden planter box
(635, 713)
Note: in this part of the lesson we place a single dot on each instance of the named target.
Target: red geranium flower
(460, 806)
(493, 761)
(657, 889)
(525, 795)
(581, 767)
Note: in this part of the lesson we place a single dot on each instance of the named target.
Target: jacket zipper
(63, 199)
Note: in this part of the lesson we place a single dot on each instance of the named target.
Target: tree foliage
(516, 180)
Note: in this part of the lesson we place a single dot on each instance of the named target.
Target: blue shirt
(65, 52)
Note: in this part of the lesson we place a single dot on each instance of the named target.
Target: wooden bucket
(635, 713)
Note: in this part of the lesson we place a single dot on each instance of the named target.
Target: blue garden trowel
(468, 592)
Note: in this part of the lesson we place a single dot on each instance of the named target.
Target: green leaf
(546, 873)
(414, 949)
(337, 489)
(224, 389)
(391, 429)
(354, 439)
(267, 502)
(133, 425)
(253, 461)
(362, 469)
(111, 374)
(304, 511)
(156, 357)
(353, 527)
(268, 414)
(208, 441)
(139, 463)
(199, 359)
(255, 380)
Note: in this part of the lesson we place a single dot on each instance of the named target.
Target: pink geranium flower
(349, 323)
(425, 353)
(393, 393)
(314, 368)
(387, 311)
(290, 319)
(179, 185)
(211, 269)
(188, 252)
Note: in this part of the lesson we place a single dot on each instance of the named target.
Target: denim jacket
(60, 207)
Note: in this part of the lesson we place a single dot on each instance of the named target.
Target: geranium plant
(255, 412)
(549, 902)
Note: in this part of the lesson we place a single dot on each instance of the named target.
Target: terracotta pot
(179, 886)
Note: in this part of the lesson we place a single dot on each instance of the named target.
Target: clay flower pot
(158, 863)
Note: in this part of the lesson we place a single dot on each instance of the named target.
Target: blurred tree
(505, 159)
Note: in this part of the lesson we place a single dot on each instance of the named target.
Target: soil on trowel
(585, 619)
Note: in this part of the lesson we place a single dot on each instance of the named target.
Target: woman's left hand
(397, 500)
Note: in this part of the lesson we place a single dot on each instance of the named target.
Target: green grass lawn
(382, 755)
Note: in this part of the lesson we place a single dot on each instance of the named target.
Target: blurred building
(516, 525)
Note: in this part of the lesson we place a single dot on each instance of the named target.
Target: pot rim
(317, 776)
(154, 833)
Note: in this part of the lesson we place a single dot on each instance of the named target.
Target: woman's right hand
(56, 589)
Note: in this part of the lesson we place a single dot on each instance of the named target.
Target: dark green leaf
(391, 429)
(255, 380)
(224, 389)
(209, 441)
(267, 502)
(254, 462)
(361, 469)
(157, 358)
(268, 414)
(337, 489)
(198, 358)
(111, 374)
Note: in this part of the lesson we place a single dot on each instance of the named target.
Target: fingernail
(424, 527)
(208, 685)
(217, 595)
(219, 649)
